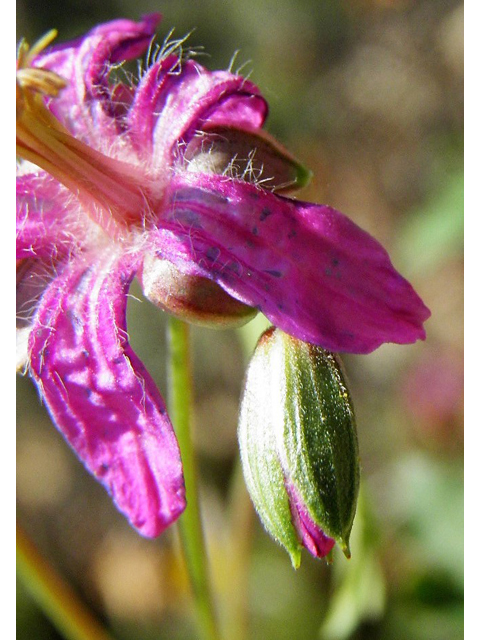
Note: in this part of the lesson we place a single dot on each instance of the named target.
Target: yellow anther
(32, 80)
(42, 43)
(26, 54)
(109, 189)
(41, 80)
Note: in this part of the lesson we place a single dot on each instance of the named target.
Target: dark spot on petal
(265, 213)
(235, 267)
(187, 217)
(335, 262)
(328, 272)
(75, 319)
(255, 231)
(292, 234)
(195, 194)
(274, 273)
(212, 253)
(102, 469)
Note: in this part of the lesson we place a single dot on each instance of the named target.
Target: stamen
(42, 81)
(108, 184)
(42, 44)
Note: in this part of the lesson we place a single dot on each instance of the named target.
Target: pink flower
(119, 179)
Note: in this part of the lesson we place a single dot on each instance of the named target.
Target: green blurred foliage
(368, 94)
(31, 622)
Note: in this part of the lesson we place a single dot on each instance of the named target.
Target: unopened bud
(191, 298)
(299, 445)
(253, 156)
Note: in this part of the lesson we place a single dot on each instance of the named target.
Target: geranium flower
(171, 179)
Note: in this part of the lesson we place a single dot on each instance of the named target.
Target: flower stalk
(189, 525)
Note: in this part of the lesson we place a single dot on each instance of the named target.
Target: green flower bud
(299, 446)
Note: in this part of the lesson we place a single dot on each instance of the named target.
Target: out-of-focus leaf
(250, 333)
(30, 621)
(409, 621)
(427, 501)
(434, 232)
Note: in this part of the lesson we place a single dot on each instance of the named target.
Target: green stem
(55, 597)
(190, 526)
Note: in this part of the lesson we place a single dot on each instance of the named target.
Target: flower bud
(299, 446)
(191, 298)
(253, 156)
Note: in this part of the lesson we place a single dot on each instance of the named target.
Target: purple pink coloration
(117, 180)
(309, 533)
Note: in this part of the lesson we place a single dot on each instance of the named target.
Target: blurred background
(369, 95)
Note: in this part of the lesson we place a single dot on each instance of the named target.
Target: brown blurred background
(369, 95)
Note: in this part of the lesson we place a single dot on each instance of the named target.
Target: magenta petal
(308, 268)
(45, 225)
(311, 535)
(175, 99)
(86, 104)
(101, 397)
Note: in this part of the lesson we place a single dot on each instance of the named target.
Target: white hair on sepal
(131, 79)
(156, 53)
(207, 160)
(33, 278)
(247, 169)
(252, 173)
(239, 71)
(170, 46)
